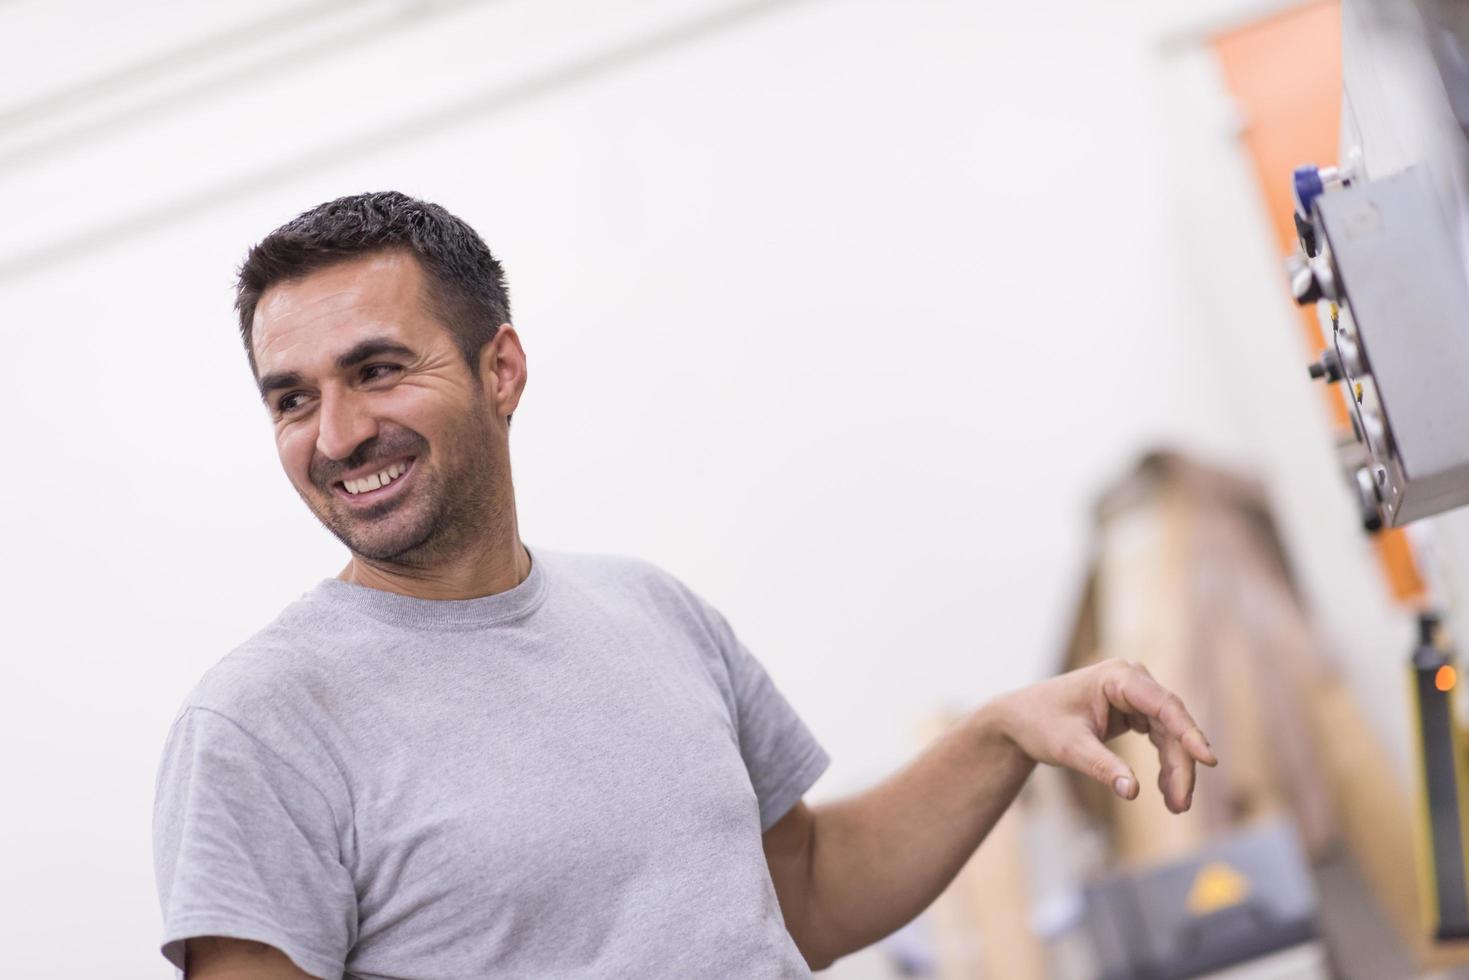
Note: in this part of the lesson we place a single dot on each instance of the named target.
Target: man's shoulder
(631, 576)
(641, 587)
(272, 667)
(603, 566)
(257, 715)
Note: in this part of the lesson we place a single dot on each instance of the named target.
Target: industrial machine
(1384, 241)
(1384, 257)
(1444, 778)
(1244, 907)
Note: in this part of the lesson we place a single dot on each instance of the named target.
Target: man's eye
(287, 403)
(368, 375)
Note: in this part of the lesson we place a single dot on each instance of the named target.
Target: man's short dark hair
(466, 286)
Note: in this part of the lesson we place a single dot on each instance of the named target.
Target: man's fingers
(1176, 771)
(1131, 691)
(1091, 757)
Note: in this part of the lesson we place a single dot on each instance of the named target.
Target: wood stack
(1190, 578)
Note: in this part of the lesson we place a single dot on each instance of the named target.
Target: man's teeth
(376, 480)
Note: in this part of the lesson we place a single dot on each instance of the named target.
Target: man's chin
(374, 540)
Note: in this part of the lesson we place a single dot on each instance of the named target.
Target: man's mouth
(375, 486)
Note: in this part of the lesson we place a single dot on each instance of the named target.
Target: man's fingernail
(1123, 786)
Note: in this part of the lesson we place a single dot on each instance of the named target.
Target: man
(462, 757)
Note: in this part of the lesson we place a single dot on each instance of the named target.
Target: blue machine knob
(1306, 186)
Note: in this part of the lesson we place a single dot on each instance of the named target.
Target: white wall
(843, 312)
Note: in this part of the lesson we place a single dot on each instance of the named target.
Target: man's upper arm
(221, 958)
(788, 852)
(788, 847)
(246, 846)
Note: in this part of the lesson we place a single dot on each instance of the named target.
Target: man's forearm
(851, 872)
(880, 858)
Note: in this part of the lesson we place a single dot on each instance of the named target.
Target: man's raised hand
(1066, 720)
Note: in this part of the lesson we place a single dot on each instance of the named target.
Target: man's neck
(490, 571)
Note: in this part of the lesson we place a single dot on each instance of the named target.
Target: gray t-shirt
(567, 779)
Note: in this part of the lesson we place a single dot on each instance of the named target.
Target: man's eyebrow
(277, 380)
(361, 351)
(369, 348)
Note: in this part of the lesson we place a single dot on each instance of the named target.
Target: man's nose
(344, 423)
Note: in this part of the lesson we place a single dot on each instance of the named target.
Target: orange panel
(1285, 73)
(1395, 555)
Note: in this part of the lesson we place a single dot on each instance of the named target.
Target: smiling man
(464, 757)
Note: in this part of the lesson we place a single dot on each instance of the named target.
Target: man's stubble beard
(456, 508)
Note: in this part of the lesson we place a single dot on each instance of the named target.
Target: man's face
(365, 386)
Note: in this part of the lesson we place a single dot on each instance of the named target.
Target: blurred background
(938, 344)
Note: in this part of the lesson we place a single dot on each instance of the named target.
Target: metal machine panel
(1403, 345)
(1384, 237)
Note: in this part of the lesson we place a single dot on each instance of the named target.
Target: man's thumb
(1107, 768)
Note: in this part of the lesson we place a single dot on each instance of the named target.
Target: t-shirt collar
(431, 614)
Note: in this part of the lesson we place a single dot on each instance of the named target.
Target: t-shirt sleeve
(781, 754)
(246, 847)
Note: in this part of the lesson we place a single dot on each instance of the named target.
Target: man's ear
(502, 370)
